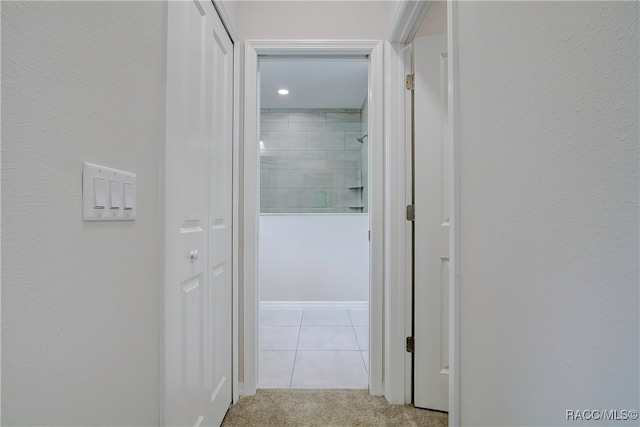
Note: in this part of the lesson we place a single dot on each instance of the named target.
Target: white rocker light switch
(107, 194)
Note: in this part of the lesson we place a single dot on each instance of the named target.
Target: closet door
(198, 200)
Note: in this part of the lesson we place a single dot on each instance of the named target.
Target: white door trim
(405, 23)
(251, 195)
(406, 20)
(454, 212)
(397, 362)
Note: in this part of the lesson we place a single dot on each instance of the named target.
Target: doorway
(313, 228)
(255, 53)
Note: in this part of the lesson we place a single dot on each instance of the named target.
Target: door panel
(431, 225)
(220, 53)
(198, 216)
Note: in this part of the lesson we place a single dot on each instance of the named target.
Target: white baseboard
(314, 305)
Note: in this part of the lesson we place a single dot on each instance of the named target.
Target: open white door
(431, 256)
(198, 206)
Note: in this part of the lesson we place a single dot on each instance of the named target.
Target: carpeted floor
(337, 408)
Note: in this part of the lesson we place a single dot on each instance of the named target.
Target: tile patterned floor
(313, 349)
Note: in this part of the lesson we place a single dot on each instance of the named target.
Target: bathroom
(314, 223)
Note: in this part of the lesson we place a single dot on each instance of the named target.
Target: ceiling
(313, 83)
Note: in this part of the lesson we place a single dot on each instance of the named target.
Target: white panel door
(219, 126)
(198, 216)
(431, 256)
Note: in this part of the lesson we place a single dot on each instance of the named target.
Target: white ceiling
(313, 83)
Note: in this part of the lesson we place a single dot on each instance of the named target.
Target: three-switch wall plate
(107, 194)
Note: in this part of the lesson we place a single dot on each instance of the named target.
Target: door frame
(454, 211)
(251, 206)
(405, 23)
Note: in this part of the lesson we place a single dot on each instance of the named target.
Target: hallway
(343, 408)
(543, 160)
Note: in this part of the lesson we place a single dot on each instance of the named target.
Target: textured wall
(314, 19)
(436, 20)
(549, 210)
(310, 161)
(81, 301)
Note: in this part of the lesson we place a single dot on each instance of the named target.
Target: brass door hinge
(411, 345)
(409, 82)
(411, 213)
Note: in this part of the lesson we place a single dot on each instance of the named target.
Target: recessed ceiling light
(283, 92)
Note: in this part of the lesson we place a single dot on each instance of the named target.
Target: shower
(361, 140)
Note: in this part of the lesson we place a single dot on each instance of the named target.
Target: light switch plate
(107, 194)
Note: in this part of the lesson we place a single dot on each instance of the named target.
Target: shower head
(361, 140)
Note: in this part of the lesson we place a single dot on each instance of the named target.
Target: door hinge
(369, 235)
(411, 345)
(409, 82)
(411, 213)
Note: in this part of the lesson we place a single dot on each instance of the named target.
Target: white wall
(313, 19)
(81, 302)
(549, 210)
(314, 257)
(436, 20)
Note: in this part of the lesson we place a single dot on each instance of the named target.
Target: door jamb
(405, 23)
(397, 229)
(253, 48)
(454, 212)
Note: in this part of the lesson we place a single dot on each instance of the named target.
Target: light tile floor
(313, 349)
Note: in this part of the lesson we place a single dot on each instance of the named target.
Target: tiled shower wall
(311, 161)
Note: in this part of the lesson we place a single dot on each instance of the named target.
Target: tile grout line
(295, 356)
(364, 364)
(359, 347)
(354, 330)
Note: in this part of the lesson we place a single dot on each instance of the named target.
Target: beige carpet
(344, 408)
